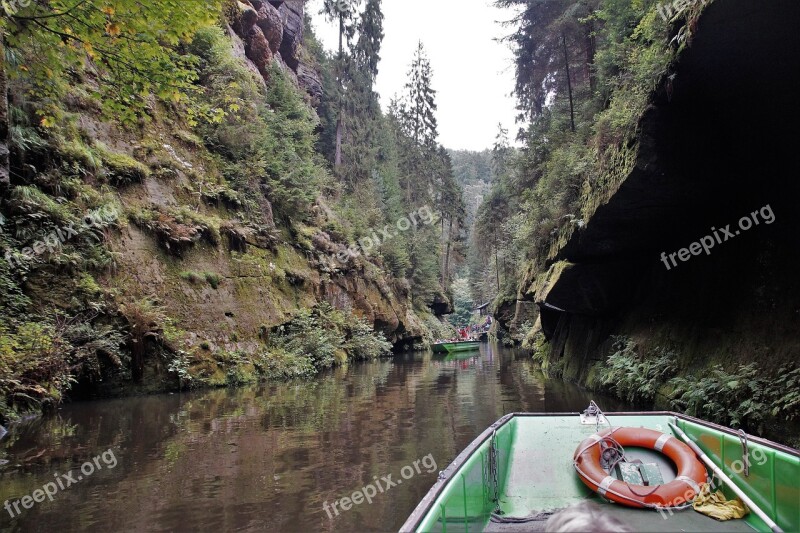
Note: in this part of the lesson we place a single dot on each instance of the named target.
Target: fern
(633, 377)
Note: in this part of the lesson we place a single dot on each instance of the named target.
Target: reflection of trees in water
(268, 457)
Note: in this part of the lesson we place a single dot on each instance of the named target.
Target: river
(268, 457)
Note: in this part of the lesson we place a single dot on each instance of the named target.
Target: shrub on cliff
(263, 136)
(742, 397)
(319, 338)
(634, 377)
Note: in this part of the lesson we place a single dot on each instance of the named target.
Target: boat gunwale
(445, 476)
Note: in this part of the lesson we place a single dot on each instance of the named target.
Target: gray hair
(585, 517)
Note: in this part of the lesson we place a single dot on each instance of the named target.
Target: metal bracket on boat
(593, 416)
(745, 453)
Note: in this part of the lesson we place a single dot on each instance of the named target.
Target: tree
(361, 109)
(344, 11)
(500, 153)
(418, 111)
(370, 38)
(128, 44)
(549, 33)
(5, 166)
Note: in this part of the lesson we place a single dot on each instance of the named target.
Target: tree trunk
(446, 274)
(340, 68)
(338, 161)
(5, 166)
(590, 53)
(341, 36)
(569, 83)
(496, 262)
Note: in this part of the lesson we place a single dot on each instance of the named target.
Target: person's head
(585, 517)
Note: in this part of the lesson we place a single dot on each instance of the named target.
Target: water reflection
(269, 457)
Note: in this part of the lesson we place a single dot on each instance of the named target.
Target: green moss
(76, 151)
(191, 277)
(121, 169)
(189, 138)
(33, 200)
(213, 279)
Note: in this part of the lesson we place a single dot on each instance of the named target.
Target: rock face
(270, 22)
(696, 166)
(257, 49)
(310, 81)
(273, 32)
(292, 13)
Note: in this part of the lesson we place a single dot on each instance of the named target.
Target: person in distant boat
(585, 517)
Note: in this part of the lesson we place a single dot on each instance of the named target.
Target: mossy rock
(121, 169)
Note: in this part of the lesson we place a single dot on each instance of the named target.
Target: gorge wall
(716, 144)
(198, 262)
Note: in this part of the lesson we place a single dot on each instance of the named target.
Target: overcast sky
(472, 73)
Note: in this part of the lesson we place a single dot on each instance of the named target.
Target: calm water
(267, 458)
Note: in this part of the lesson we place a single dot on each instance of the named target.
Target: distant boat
(526, 466)
(457, 346)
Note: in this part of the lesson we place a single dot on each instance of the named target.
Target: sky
(472, 73)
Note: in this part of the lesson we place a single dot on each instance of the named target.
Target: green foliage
(263, 136)
(211, 278)
(180, 367)
(313, 335)
(633, 377)
(279, 364)
(121, 169)
(437, 328)
(462, 302)
(744, 397)
(580, 141)
(364, 343)
(318, 339)
(177, 228)
(540, 348)
(191, 276)
(42, 358)
(68, 35)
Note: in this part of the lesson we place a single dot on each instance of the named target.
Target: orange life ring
(691, 472)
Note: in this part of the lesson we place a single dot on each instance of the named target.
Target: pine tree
(500, 153)
(419, 109)
(550, 34)
(343, 11)
(370, 38)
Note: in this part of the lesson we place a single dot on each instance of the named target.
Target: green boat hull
(450, 347)
(535, 474)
